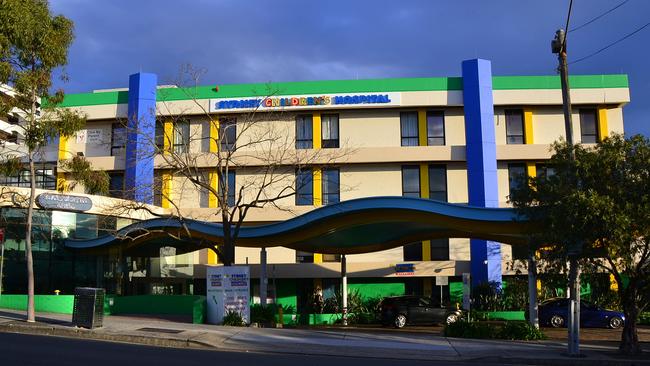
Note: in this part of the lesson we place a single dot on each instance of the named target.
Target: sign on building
(228, 289)
(65, 202)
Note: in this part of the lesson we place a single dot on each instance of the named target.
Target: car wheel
(615, 322)
(451, 318)
(400, 321)
(557, 321)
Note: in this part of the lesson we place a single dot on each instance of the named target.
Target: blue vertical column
(481, 163)
(141, 133)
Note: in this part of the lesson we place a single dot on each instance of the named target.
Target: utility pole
(558, 45)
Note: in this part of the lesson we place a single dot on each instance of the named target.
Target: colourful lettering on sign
(303, 101)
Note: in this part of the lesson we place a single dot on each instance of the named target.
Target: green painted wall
(456, 292)
(43, 303)
(191, 305)
(286, 293)
(372, 290)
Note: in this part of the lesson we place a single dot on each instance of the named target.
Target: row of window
(409, 131)
(45, 178)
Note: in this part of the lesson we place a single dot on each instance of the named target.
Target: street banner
(228, 289)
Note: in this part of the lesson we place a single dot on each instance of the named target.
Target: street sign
(442, 281)
(228, 289)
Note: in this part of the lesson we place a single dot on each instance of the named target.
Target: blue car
(554, 312)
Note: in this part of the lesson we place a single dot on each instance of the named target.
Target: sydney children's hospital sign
(306, 102)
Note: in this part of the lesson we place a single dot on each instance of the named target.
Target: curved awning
(350, 227)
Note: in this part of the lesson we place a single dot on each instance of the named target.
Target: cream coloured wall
(503, 183)
(454, 127)
(370, 180)
(273, 255)
(457, 183)
(615, 120)
(459, 249)
(372, 128)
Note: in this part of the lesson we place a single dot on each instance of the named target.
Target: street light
(558, 46)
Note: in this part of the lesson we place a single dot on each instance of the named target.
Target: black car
(554, 312)
(402, 310)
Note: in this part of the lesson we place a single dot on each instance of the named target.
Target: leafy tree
(598, 206)
(33, 43)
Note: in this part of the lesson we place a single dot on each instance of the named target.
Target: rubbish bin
(88, 310)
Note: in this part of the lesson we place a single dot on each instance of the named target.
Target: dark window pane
(413, 252)
(331, 257)
(118, 139)
(231, 188)
(514, 126)
(331, 186)
(304, 131)
(516, 175)
(440, 249)
(409, 128)
(160, 135)
(116, 185)
(588, 126)
(435, 128)
(411, 181)
(228, 133)
(544, 171)
(304, 257)
(330, 130)
(438, 182)
(304, 188)
(181, 136)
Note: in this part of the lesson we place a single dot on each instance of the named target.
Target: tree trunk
(31, 317)
(630, 339)
(228, 250)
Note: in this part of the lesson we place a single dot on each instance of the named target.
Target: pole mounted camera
(557, 44)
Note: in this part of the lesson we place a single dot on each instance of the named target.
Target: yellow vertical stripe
(539, 286)
(214, 135)
(613, 285)
(166, 190)
(603, 129)
(316, 130)
(424, 193)
(318, 189)
(168, 135)
(318, 199)
(212, 258)
(212, 197)
(422, 127)
(528, 126)
(62, 155)
(531, 169)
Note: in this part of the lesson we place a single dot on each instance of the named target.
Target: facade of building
(461, 139)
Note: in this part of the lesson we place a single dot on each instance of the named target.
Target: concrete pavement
(332, 342)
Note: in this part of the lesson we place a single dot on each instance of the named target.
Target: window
(409, 128)
(304, 257)
(228, 133)
(232, 189)
(588, 126)
(118, 139)
(329, 130)
(411, 181)
(331, 257)
(45, 178)
(440, 249)
(545, 171)
(514, 126)
(516, 176)
(438, 182)
(435, 128)
(331, 186)
(116, 185)
(157, 189)
(304, 188)
(181, 136)
(160, 135)
(413, 251)
(304, 131)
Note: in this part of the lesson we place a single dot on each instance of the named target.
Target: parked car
(402, 310)
(554, 312)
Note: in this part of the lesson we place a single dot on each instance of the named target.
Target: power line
(611, 44)
(568, 17)
(598, 17)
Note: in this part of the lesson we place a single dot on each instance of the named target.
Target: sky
(233, 41)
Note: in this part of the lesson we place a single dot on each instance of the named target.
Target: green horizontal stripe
(348, 86)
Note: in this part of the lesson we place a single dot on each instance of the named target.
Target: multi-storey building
(456, 139)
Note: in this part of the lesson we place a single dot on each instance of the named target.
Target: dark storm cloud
(260, 41)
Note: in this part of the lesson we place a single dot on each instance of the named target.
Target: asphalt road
(23, 350)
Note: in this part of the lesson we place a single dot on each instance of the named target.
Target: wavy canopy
(350, 227)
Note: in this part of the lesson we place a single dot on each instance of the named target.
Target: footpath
(350, 342)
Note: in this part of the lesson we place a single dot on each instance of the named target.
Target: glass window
(304, 257)
(438, 182)
(157, 189)
(160, 135)
(331, 257)
(116, 185)
(232, 189)
(118, 139)
(330, 130)
(440, 249)
(331, 186)
(304, 188)
(588, 126)
(86, 227)
(44, 177)
(514, 126)
(304, 131)
(228, 133)
(181, 136)
(413, 251)
(545, 171)
(409, 128)
(435, 128)
(516, 175)
(411, 181)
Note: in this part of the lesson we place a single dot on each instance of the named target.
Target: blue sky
(262, 41)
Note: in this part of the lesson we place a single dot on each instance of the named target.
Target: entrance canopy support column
(344, 288)
(263, 277)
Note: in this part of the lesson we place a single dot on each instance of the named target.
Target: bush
(269, 313)
(482, 330)
(233, 318)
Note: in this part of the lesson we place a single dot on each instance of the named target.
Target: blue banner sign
(50, 201)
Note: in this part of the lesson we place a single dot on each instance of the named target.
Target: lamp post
(558, 45)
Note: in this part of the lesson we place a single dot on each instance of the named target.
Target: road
(24, 350)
